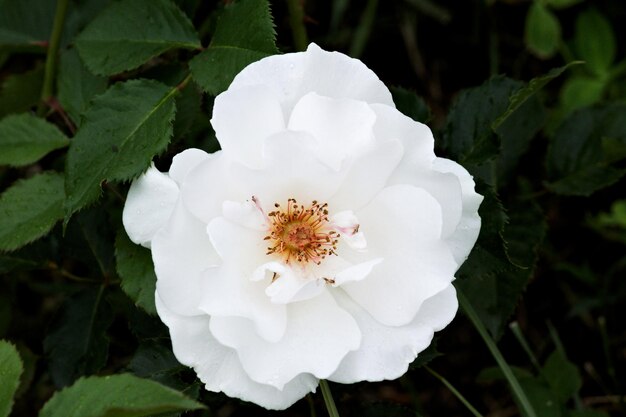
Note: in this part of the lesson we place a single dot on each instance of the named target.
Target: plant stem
(524, 343)
(454, 391)
(519, 393)
(53, 52)
(363, 31)
(328, 399)
(296, 21)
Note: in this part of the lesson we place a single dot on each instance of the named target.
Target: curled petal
(319, 334)
(184, 162)
(149, 204)
(218, 366)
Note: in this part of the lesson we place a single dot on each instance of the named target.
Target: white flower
(320, 242)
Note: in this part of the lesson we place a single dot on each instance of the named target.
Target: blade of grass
(454, 391)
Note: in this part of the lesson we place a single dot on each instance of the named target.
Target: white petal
(348, 226)
(417, 139)
(319, 334)
(356, 272)
(184, 162)
(291, 171)
(150, 201)
(341, 127)
(208, 185)
(181, 252)
(243, 117)
(291, 286)
(219, 368)
(403, 224)
(246, 214)
(368, 174)
(387, 351)
(467, 229)
(330, 74)
(231, 289)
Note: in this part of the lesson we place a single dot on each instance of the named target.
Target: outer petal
(403, 225)
(467, 229)
(182, 252)
(219, 368)
(386, 351)
(149, 204)
(340, 126)
(243, 118)
(319, 334)
(330, 74)
(185, 162)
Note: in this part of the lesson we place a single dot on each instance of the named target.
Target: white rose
(319, 243)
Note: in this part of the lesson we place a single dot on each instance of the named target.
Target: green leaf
(76, 86)
(542, 31)
(135, 267)
(494, 373)
(244, 34)
(562, 4)
(562, 376)
(580, 91)
(25, 23)
(155, 361)
(77, 344)
(25, 139)
(582, 156)
(121, 395)
(541, 397)
(11, 369)
(121, 132)
(29, 209)
(595, 41)
(410, 104)
(20, 92)
(130, 32)
(524, 232)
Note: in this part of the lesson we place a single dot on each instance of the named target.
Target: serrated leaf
(11, 369)
(29, 209)
(76, 86)
(25, 23)
(244, 34)
(469, 136)
(77, 344)
(562, 376)
(130, 32)
(524, 232)
(578, 161)
(121, 395)
(595, 41)
(518, 98)
(135, 267)
(20, 92)
(542, 31)
(121, 132)
(97, 234)
(25, 138)
(410, 104)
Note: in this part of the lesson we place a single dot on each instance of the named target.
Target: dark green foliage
(11, 368)
(77, 343)
(235, 45)
(411, 104)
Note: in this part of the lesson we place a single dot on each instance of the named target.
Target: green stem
(328, 399)
(517, 332)
(519, 393)
(454, 391)
(296, 21)
(53, 52)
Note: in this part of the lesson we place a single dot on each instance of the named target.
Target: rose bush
(319, 243)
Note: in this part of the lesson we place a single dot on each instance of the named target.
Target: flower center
(301, 233)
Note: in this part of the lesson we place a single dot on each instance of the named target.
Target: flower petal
(319, 334)
(330, 74)
(385, 351)
(149, 204)
(184, 162)
(462, 239)
(219, 368)
(181, 252)
(243, 118)
(403, 225)
(341, 127)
